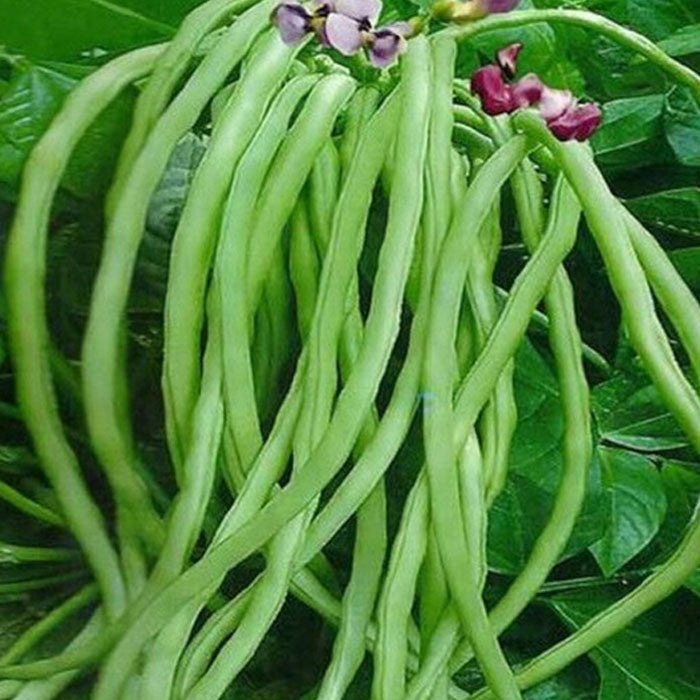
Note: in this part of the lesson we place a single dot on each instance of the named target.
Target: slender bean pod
(25, 272)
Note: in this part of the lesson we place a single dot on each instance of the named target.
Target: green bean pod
(441, 451)
(396, 600)
(195, 238)
(167, 71)
(566, 347)
(25, 271)
(608, 226)
(382, 326)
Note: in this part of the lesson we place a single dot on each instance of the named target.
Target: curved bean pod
(25, 270)
(195, 238)
(648, 338)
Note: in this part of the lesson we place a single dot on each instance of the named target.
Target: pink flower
(507, 59)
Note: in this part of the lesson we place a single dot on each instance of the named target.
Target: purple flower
(496, 6)
(566, 118)
(577, 122)
(496, 95)
(553, 103)
(360, 10)
(386, 43)
(507, 59)
(343, 33)
(293, 21)
(527, 91)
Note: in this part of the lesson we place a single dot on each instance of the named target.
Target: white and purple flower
(348, 26)
(565, 116)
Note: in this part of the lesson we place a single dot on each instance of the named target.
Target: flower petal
(489, 85)
(292, 20)
(359, 9)
(494, 6)
(578, 122)
(343, 33)
(553, 103)
(527, 91)
(385, 46)
(507, 58)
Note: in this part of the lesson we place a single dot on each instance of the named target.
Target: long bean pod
(195, 238)
(607, 224)
(441, 451)
(25, 271)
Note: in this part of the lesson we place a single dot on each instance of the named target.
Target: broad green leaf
(631, 134)
(657, 657)
(629, 413)
(638, 507)
(64, 30)
(163, 215)
(573, 683)
(683, 42)
(659, 18)
(681, 483)
(27, 108)
(521, 511)
(675, 210)
(687, 262)
(682, 125)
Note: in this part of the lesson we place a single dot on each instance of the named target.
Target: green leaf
(681, 484)
(64, 30)
(574, 683)
(27, 107)
(675, 210)
(638, 507)
(682, 125)
(629, 413)
(34, 96)
(163, 215)
(631, 133)
(684, 42)
(656, 657)
(523, 508)
(659, 18)
(687, 262)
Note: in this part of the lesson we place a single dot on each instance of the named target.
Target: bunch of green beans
(291, 376)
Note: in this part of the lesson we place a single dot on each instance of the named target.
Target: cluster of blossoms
(566, 117)
(345, 25)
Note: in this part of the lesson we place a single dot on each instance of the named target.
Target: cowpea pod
(438, 422)
(197, 231)
(370, 544)
(328, 457)
(167, 71)
(607, 224)
(104, 380)
(566, 348)
(437, 214)
(271, 590)
(250, 174)
(25, 271)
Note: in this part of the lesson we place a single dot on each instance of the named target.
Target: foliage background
(644, 479)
